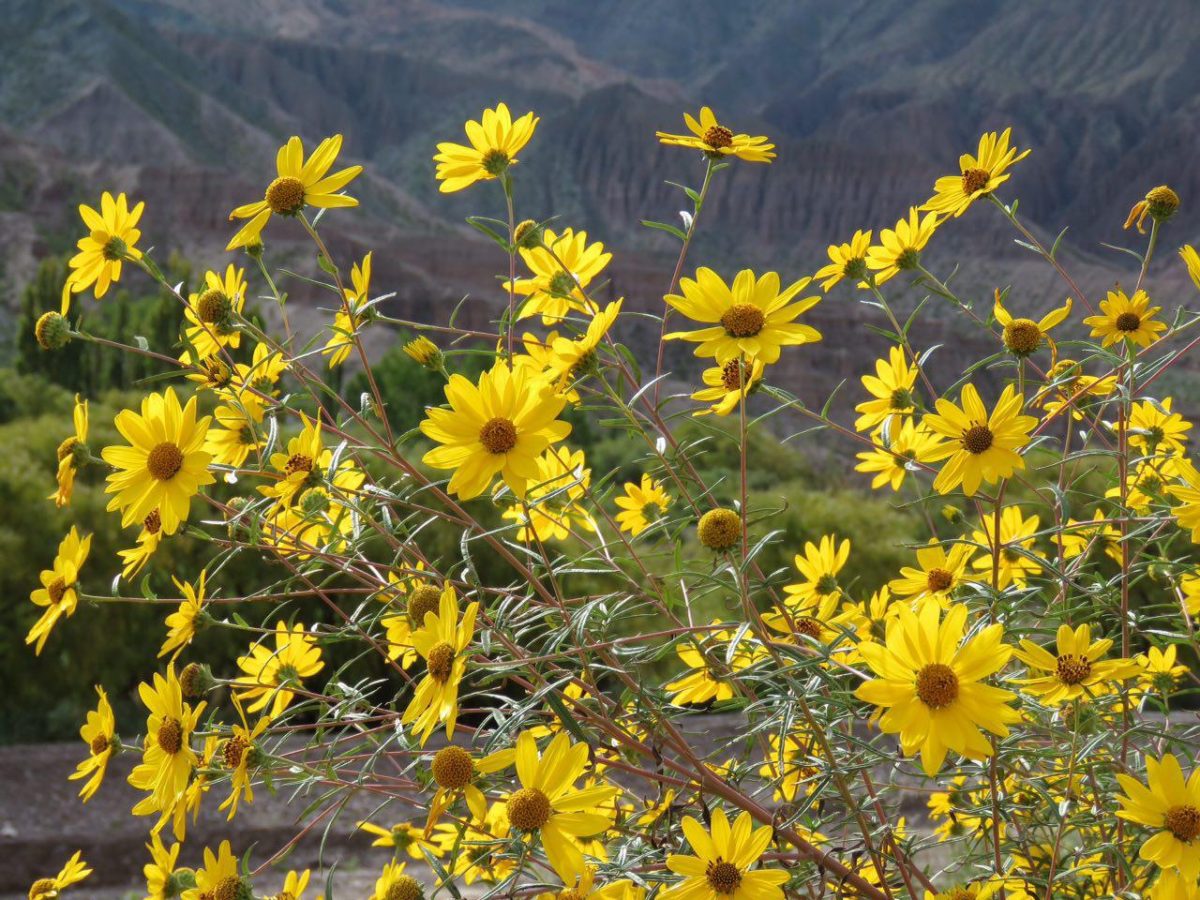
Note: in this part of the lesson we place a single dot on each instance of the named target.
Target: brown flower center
(975, 180)
(213, 307)
(235, 749)
(441, 661)
(719, 529)
(743, 320)
(452, 768)
(57, 589)
(937, 685)
(43, 889)
(65, 448)
(528, 809)
(99, 744)
(938, 580)
(901, 399)
(285, 195)
(498, 435)
(424, 599)
(1022, 336)
(1128, 321)
(1073, 668)
(153, 522)
(229, 888)
(808, 626)
(718, 136)
(164, 461)
(170, 736)
(723, 877)
(734, 375)
(977, 439)
(1183, 822)
(404, 887)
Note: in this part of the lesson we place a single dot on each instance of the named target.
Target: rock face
(868, 102)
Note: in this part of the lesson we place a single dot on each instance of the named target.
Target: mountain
(184, 104)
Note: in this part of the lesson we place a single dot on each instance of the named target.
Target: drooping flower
(299, 183)
(979, 447)
(981, 174)
(113, 238)
(212, 314)
(723, 861)
(350, 317)
(1122, 317)
(717, 141)
(73, 872)
(269, 674)
(181, 624)
(59, 593)
(72, 453)
(148, 539)
(728, 385)
(167, 755)
(99, 733)
(442, 641)
(642, 505)
(495, 142)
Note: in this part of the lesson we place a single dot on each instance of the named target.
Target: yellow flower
(113, 238)
(393, 884)
(1124, 318)
(751, 318)
(218, 877)
(585, 888)
(270, 673)
(403, 837)
(501, 425)
(58, 593)
(213, 313)
(181, 624)
(930, 685)
(425, 352)
(1022, 337)
(561, 267)
(1188, 494)
(549, 804)
(980, 447)
(1077, 672)
(981, 174)
(846, 261)
(1160, 671)
(442, 642)
(239, 753)
(167, 755)
(72, 453)
(148, 540)
(165, 464)
(891, 388)
(235, 435)
(938, 573)
(495, 142)
(1160, 203)
(900, 248)
(551, 505)
(1017, 535)
(294, 885)
(99, 733)
(251, 383)
(299, 183)
(1191, 259)
(642, 505)
(1155, 429)
(717, 141)
(162, 876)
(1078, 538)
(704, 682)
(307, 465)
(570, 360)
(72, 873)
(477, 847)
(820, 565)
(1067, 385)
(784, 768)
(728, 385)
(351, 316)
(1170, 805)
(722, 867)
(910, 444)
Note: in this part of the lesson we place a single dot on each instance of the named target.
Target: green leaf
(663, 226)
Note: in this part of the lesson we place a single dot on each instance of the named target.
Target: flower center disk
(977, 439)
(723, 877)
(424, 599)
(1022, 336)
(405, 887)
(164, 461)
(452, 767)
(975, 180)
(498, 435)
(285, 195)
(743, 320)
(170, 737)
(1183, 822)
(1073, 669)
(441, 662)
(938, 580)
(1128, 321)
(718, 136)
(528, 809)
(937, 685)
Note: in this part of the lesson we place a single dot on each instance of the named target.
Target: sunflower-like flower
(72, 453)
(899, 249)
(167, 755)
(59, 591)
(705, 681)
(846, 261)
(442, 641)
(425, 352)
(819, 565)
(234, 434)
(787, 768)
(182, 624)
(1191, 261)
(308, 465)
(165, 464)
(892, 460)
(480, 840)
(981, 174)
(930, 687)
(980, 446)
(99, 732)
(728, 385)
(642, 505)
(1017, 558)
(722, 867)
(218, 877)
(561, 267)
(394, 884)
(73, 872)
(212, 314)
(937, 573)
(551, 508)
(500, 425)
(350, 317)
(1154, 428)
(299, 183)
(891, 390)
(148, 539)
(113, 238)
(549, 804)
(1169, 804)
(1021, 336)
(1076, 671)
(403, 837)
(294, 885)
(269, 674)
(585, 888)
(456, 771)
(1126, 318)
(751, 318)
(569, 361)
(716, 141)
(1079, 537)
(1066, 385)
(240, 753)
(164, 880)
(495, 142)
(1160, 203)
